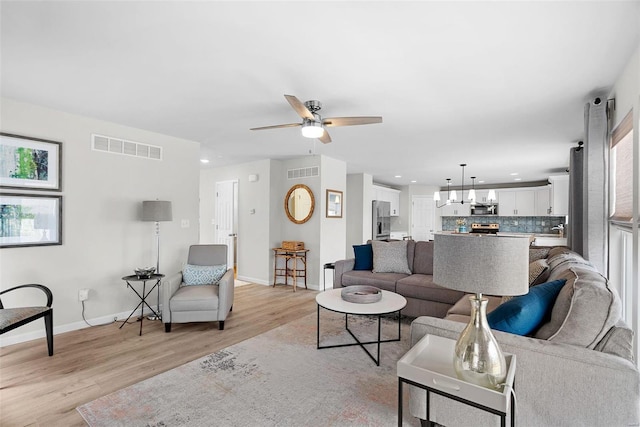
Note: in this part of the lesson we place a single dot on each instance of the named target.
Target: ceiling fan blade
(351, 121)
(299, 107)
(288, 125)
(325, 138)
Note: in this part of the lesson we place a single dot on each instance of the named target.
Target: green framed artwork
(30, 220)
(30, 163)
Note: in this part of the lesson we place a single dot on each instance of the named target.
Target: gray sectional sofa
(576, 369)
(423, 296)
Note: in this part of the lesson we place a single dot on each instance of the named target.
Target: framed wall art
(30, 220)
(30, 163)
(334, 204)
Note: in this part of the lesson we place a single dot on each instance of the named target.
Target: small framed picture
(30, 220)
(30, 163)
(334, 204)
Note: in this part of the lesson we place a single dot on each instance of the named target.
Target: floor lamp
(492, 265)
(157, 210)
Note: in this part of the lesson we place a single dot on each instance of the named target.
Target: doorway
(226, 231)
(422, 218)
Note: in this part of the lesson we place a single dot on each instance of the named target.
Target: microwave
(484, 209)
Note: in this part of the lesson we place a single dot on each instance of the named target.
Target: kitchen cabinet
(517, 203)
(456, 209)
(390, 195)
(559, 195)
(482, 196)
(543, 201)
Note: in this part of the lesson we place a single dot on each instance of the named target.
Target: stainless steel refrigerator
(381, 220)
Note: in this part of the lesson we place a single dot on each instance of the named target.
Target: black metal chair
(11, 318)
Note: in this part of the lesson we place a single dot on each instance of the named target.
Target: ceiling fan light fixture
(312, 129)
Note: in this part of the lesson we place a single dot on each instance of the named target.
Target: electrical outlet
(184, 223)
(83, 294)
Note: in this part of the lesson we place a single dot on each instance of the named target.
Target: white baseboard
(253, 280)
(60, 329)
(266, 283)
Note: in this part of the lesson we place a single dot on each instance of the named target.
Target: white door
(225, 215)
(422, 217)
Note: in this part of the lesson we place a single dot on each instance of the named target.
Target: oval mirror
(299, 203)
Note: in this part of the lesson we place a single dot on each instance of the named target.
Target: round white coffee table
(389, 303)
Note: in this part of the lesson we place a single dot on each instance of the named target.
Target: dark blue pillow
(523, 314)
(364, 257)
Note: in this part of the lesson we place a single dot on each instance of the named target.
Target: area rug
(278, 378)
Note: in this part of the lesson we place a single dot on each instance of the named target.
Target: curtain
(595, 210)
(576, 200)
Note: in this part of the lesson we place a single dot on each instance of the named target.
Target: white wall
(333, 231)
(103, 236)
(358, 205)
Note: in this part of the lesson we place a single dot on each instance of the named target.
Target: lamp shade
(485, 264)
(312, 129)
(156, 210)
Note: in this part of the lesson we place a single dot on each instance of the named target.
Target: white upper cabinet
(517, 203)
(390, 195)
(559, 195)
(456, 209)
(543, 201)
(482, 196)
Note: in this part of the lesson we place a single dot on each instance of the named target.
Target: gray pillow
(538, 272)
(584, 311)
(390, 257)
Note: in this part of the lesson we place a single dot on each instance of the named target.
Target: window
(622, 170)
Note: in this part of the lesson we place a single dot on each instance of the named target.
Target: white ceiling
(498, 85)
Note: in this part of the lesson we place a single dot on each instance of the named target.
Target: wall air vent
(113, 145)
(303, 172)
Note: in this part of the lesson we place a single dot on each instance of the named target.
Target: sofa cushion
(385, 281)
(463, 306)
(586, 308)
(618, 340)
(390, 257)
(423, 258)
(523, 314)
(536, 253)
(421, 286)
(364, 257)
(411, 248)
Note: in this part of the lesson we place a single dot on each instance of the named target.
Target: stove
(485, 228)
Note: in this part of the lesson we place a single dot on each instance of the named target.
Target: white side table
(429, 365)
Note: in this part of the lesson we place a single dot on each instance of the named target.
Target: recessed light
(204, 161)
(481, 182)
(398, 176)
(413, 181)
(513, 173)
(517, 179)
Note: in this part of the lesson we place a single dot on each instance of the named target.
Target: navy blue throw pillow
(364, 257)
(523, 314)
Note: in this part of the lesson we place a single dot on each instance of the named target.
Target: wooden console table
(291, 267)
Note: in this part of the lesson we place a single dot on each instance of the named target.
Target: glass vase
(477, 357)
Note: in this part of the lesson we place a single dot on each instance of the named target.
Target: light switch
(184, 223)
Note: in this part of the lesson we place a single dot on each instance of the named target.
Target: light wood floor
(39, 390)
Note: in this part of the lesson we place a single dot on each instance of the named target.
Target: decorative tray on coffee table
(361, 294)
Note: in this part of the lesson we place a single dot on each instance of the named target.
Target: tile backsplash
(512, 224)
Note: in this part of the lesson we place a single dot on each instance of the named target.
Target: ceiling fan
(313, 125)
